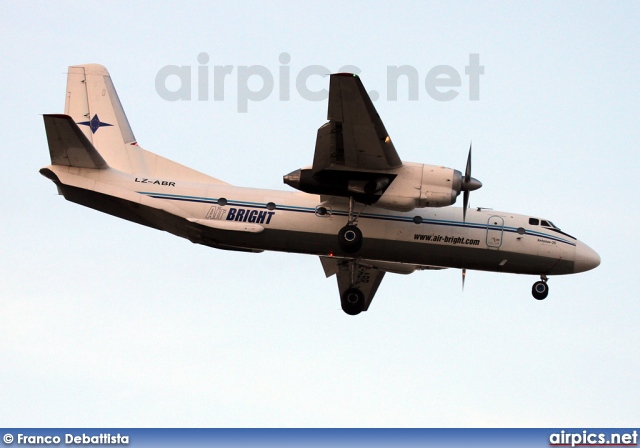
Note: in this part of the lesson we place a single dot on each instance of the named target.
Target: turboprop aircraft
(359, 207)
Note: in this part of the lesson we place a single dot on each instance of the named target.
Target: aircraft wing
(352, 274)
(355, 138)
(365, 275)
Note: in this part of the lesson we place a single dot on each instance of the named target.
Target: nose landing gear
(540, 289)
(350, 236)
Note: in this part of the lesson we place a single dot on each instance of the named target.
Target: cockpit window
(545, 223)
(542, 222)
(549, 224)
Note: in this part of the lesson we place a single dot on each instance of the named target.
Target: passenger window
(534, 221)
(323, 211)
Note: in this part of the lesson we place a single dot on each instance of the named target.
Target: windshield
(547, 223)
(542, 222)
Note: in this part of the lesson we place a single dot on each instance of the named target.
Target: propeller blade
(465, 204)
(468, 184)
(467, 172)
(464, 275)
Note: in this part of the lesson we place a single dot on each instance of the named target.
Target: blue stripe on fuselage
(377, 216)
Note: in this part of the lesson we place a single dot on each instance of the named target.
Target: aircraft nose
(586, 258)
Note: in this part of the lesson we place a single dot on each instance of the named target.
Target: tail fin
(94, 105)
(95, 132)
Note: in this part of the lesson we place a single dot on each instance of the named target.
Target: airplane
(361, 209)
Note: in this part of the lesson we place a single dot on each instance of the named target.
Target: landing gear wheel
(350, 239)
(540, 290)
(352, 301)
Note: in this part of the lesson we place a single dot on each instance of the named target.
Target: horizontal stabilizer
(68, 145)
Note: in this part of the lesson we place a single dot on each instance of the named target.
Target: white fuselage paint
(488, 240)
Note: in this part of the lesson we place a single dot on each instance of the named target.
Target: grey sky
(106, 323)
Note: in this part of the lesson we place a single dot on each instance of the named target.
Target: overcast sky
(107, 323)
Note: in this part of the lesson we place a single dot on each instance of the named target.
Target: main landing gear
(540, 289)
(350, 236)
(352, 301)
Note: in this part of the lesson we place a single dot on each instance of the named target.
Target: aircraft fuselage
(230, 217)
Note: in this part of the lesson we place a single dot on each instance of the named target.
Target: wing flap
(68, 145)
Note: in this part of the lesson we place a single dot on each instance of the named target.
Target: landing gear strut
(350, 237)
(540, 289)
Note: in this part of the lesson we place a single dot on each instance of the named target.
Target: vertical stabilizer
(94, 105)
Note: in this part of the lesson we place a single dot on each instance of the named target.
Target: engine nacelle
(417, 186)
(413, 185)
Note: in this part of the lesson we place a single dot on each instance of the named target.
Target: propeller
(469, 184)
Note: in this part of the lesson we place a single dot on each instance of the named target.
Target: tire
(352, 301)
(540, 290)
(350, 239)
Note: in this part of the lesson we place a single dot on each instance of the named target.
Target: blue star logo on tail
(95, 124)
